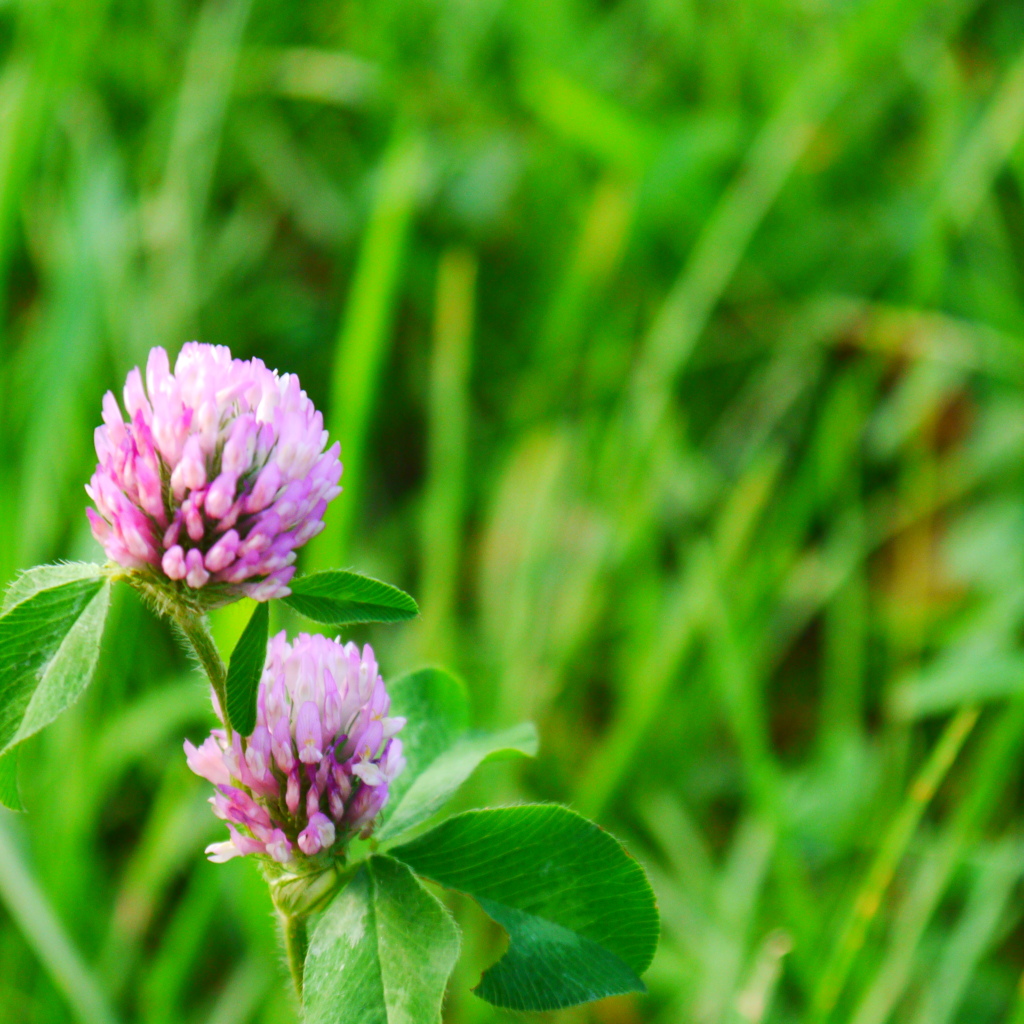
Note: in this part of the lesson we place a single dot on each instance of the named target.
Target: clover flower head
(217, 475)
(316, 770)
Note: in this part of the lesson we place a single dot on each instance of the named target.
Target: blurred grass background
(676, 350)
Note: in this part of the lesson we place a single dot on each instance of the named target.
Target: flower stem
(197, 632)
(293, 928)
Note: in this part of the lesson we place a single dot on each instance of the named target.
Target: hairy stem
(293, 929)
(198, 635)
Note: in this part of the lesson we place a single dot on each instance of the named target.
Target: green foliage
(578, 910)
(431, 789)
(50, 634)
(381, 952)
(436, 707)
(47, 577)
(682, 384)
(580, 914)
(337, 597)
(245, 670)
(439, 750)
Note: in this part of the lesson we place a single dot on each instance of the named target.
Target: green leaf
(9, 794)
(46, 577)
(245, 670)
(440, 754)
(381, 953)
(439, 780)
(337, 597)
(49, 643)
(579, 912)
(436, 708)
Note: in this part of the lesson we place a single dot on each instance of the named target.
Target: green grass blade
(362, 341)
(867, 901)
(28, 906)
(448, 411)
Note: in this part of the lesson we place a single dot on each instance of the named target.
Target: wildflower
(316, 770)
(217, 475)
